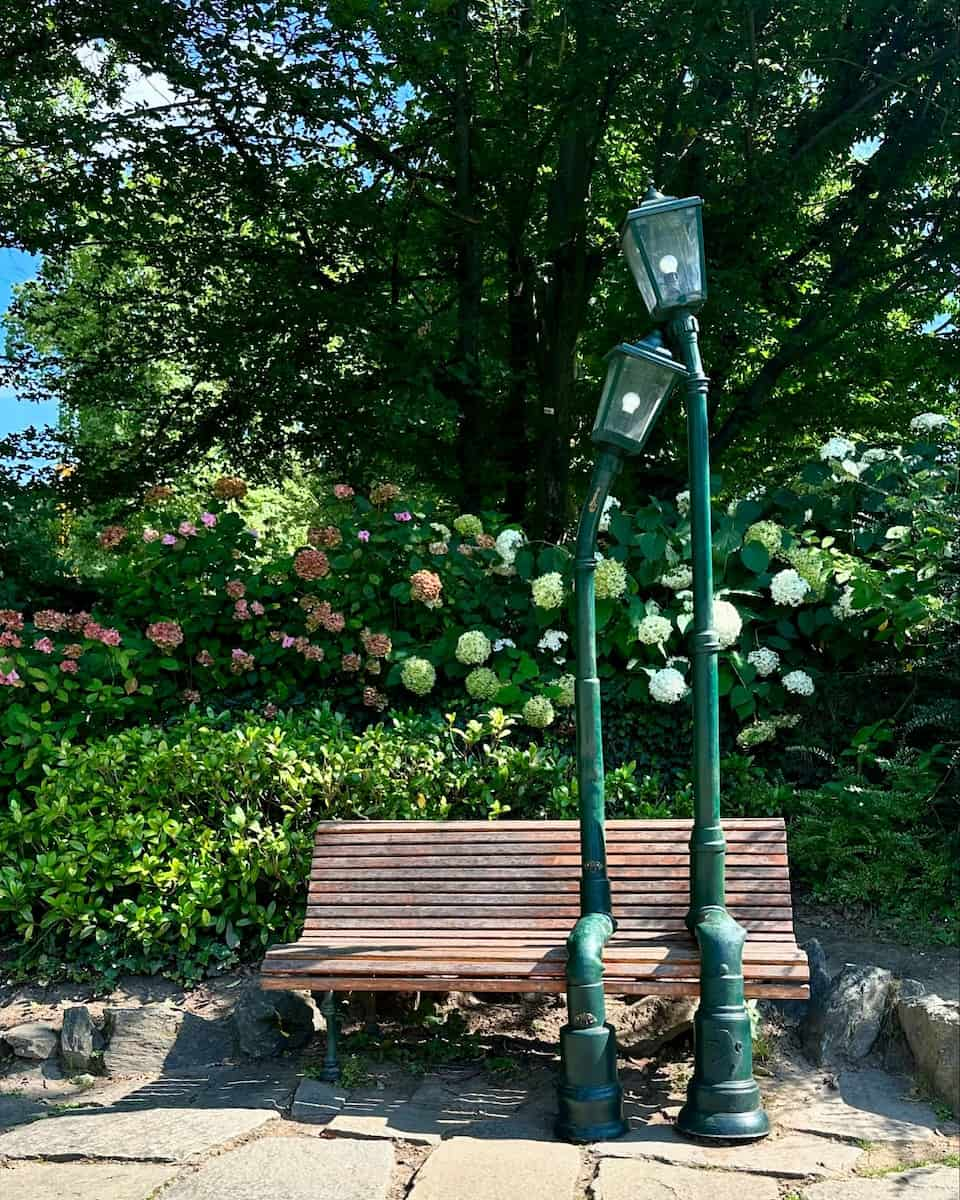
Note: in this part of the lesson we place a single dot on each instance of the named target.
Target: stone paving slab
(291, 1168)
(793, 1156)
(150, 1135)
(868, 1105)
(396, 1120)
(620, 1179)
(922, 1183)
(466, 1168)
(316, 1102)
(82, 1181)
(16, 1110)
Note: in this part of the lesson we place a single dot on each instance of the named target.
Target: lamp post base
(589, 1095)
(713, 1111)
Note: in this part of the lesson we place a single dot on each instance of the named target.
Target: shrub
(183, 850)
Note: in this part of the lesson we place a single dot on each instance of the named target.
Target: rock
(83, 1181)
(292, 1168)
(269, 1022)
(932, 1029)
(620, 1179)
(141, 1040)
(146, 1135)
(793, 1156)
(34, 1040)
(477, 1169)
(80, 1042)
(654, 1021)
(922, 1183)
(844, 1022)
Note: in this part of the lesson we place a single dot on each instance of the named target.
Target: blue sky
(15, 267)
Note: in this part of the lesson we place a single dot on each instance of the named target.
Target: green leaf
(754, 557)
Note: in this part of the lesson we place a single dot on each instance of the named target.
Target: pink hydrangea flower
(168, 539)
(10, 639)
(208, 519)
(205, 658)
(364, 535)
(69, 666)
(187, 528)
(44, 645)
(270, 710)
(12, 679)
(236, 589)
(49, 618)
(403, 516)
(257, 608)
(11, 619)
(240, 611)
(165, 634)
(343, 491)
(151, 535)
(287, 641)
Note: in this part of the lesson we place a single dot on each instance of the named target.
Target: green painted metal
(723, 1100)
(330, 1071)
(590, 1098)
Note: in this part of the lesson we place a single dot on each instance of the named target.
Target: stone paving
(267, 1132)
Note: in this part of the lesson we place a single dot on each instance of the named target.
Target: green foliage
(182, 850)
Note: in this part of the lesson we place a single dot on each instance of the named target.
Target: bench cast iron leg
(331, 1062)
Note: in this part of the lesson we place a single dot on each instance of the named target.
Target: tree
(389, 234)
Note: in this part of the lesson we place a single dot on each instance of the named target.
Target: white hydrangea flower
(788, 587)
(538, 712)
(896, 533)
(610, 579)
(442, 532)
(727, 622)
(678, 580)
(567, 685)
(924, 422)
(482, 683)
(667, 685)
(686, 599)
(837, 447)
(552, 640)
(683, 503)
(798, 682)
(674, 659)
(843, 609)
(610, 505)
(874, 455)
(768, 533)
(473, 647)
(418, 676)
(508, 543)
(502, 643)
(548, 590)
(764, 661)
(654, 630)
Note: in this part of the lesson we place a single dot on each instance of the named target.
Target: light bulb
(630, 403)
(668, 264)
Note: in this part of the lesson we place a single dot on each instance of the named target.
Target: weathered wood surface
(400, 905)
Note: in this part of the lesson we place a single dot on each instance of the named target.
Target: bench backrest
(516, 877)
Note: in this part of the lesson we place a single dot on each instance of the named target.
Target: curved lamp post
(638, 383)
(663, 244)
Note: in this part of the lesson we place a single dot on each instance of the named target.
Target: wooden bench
(486, 906)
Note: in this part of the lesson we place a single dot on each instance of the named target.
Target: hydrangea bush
(387, 603)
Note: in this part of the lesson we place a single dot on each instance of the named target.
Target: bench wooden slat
(487, 905)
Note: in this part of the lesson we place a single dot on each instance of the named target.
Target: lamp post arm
(707, 843)
(594, 885)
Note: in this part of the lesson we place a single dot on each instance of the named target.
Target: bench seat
(486, 906)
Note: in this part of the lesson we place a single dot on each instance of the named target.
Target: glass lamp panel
(636, 388)
(672, 244)
(638, 268)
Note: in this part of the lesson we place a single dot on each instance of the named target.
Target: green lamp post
(590, 1099)
(663, 244)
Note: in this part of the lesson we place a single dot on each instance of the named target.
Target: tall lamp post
(663, 244)
(639, 381)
